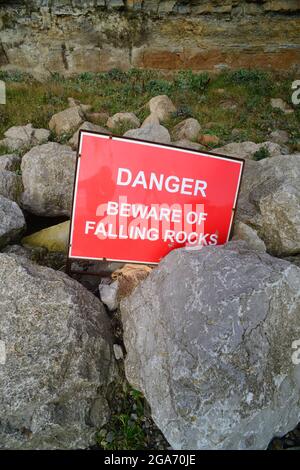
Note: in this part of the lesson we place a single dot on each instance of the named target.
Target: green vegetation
(4, 150)
(248, 76)
(263, 152)
(236, 100)
(131, 427)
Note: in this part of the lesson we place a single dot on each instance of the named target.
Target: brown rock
(208, 139)
(97, 118)
(210, 60)
(67, 121)
(188, 129)
(151, 119)
(130, 119)
(129, 277)
(162, 107)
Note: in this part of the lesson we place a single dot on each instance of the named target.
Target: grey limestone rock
(12, 221)
(57, 359)
(209, 340)
(48, 175)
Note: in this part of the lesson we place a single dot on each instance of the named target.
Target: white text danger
(161, 182)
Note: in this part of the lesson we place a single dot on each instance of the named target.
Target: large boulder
(128, 119)
(279, 136)
(151, 119)
(18, 136)
(249, 235)
(269, 202)
(10, 162)
(52, 259)
(48, 175)
(11, 185)
(22, 137)
(247, 149)
(57, 362)
(162, 107)
(188, 129)
(40, 136)
(12, 221)
(151, 133)
(208, 337)
(67, 121)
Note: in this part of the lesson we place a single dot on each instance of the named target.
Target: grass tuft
(130, 428)
(260, 154)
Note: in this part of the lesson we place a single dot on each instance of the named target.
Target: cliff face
(71, 36)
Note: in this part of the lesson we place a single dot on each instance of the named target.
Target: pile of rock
(269, 202)
(161, 109)
(22, 137)
(247, 150)
(207, 335)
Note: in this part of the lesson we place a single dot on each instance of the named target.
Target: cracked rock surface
(269, 202)
(12, 221)
(209, 342)
(48, 174)
(56, 359)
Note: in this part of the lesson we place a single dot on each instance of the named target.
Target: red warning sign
(135, 201)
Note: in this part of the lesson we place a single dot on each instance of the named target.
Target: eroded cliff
(71, 36)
